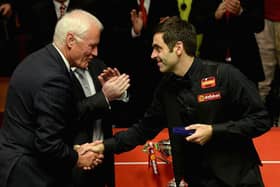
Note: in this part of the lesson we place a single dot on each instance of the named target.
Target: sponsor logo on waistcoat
(209, 96)
(208, 82)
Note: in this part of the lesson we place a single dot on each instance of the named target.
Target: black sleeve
(93, 107)
(249, 116)
(152, 123)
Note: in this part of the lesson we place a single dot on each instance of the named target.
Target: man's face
(84, 49)
(166, 60)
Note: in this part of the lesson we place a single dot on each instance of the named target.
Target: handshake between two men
(90, 154)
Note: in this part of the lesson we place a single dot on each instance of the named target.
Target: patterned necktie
(62, 9)
(97, 133)
(83, 80)
(144, 12)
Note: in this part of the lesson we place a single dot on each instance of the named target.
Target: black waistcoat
(189, 100)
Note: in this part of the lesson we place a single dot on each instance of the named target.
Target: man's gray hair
(77, 22)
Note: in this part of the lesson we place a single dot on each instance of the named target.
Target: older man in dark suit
(36, 140)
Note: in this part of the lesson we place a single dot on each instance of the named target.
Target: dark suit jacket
(99, 109)
(237, 34)
(37, 136)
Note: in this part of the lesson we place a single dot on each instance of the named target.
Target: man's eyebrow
(156, 46)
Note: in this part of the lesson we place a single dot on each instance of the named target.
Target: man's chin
(162, 70)
(84, 65)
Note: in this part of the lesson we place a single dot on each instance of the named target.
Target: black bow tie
(180, 82)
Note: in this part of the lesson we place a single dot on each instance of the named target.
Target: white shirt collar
(63, 57)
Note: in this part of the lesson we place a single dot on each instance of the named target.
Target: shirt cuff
(240, 11)
(124, 97)
(133, 34)
(108, 102)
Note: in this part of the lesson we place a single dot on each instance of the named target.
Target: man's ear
(70, 40)
(179, 47)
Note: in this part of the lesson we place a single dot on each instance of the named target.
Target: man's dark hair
(175, 29)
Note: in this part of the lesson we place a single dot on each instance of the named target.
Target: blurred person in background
(269, 44)
(228, 28)
(126, 44)
(7, 38)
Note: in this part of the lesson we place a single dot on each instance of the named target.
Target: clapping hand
(137, 21)
(114, 84)
(233, 6)
(6, 10)
(107, 74)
